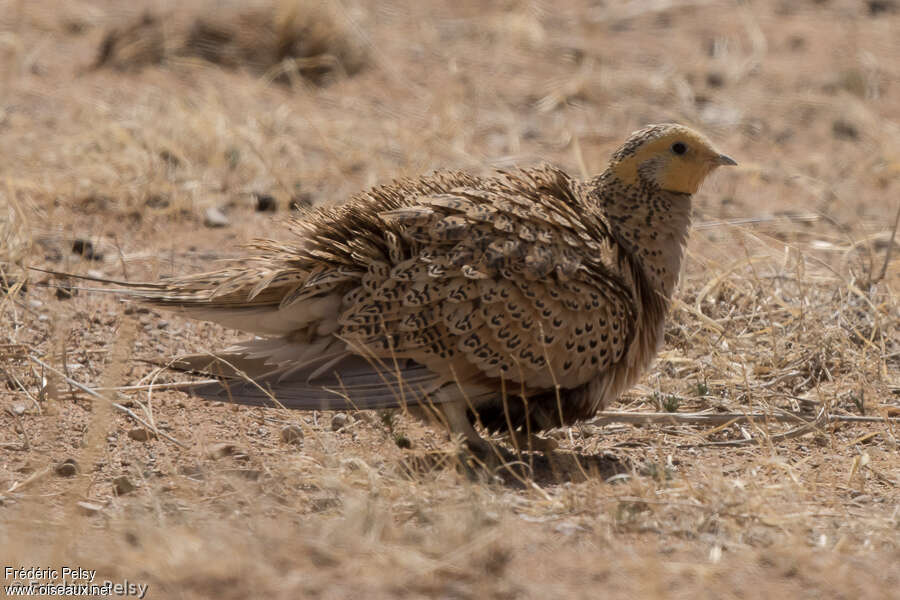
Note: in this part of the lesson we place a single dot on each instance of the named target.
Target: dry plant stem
(605, 417)
(887, 254)
(118, 407)
(177, 385)
(26, 445)
(36, 476)
(12, 377)
(798, 218)
(821, 419)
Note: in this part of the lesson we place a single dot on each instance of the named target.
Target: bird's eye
(679, 148)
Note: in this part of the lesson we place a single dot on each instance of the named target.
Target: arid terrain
(145, 139)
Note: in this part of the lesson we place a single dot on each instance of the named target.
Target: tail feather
(137, 286)
(244, 307)
(335, 381)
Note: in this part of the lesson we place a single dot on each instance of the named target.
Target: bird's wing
(286, 287)
(512, 277)
(292, 294)
(273, 372)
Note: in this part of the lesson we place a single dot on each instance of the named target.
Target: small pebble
(140, 434)
(265, 203)
(89, 508)
(65, 291)
(878, 7)
(214, 217)
(18, 409)
(845, 130)
(171, 159)
(221, 450)
(191, 471)
(715, 79)
(67, 468)
(568, 528)
(122, 485)
(157, 201)
(339, 421)
(86, 249)
(162, 325)
(292, 434)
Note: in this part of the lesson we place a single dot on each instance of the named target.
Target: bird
(525, 300)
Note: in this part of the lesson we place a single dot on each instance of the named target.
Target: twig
(23, 389)
(727, 419)
(36, 476)
(887, 255)
(27, 444)
(821, 419)
(118, 407)
(799, 218)
(605, 417)
(177, 385)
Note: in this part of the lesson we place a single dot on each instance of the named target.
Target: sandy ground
(110, 161)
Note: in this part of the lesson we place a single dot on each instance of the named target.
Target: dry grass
(783, 312)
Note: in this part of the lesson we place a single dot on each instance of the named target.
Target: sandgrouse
(525, 300)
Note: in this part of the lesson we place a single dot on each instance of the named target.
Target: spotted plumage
(527, 298)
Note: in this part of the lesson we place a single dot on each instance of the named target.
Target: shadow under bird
(522, 301)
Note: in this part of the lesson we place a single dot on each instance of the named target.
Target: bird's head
(672, 157)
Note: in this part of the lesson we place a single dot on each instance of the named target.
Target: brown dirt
(781, 308)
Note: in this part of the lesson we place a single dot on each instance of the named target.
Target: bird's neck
(651, 223)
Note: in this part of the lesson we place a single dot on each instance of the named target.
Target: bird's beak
(722, 160)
